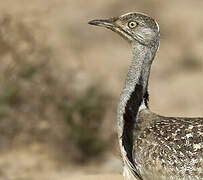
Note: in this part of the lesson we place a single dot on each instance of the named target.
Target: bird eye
(132, 24)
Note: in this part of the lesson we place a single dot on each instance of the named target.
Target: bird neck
(139, 71)
(134, 96)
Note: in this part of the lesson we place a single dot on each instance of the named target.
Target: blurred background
(60, 81)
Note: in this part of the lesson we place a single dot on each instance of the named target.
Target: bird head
(135, 27)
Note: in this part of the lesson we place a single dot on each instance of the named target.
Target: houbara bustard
(153, 147)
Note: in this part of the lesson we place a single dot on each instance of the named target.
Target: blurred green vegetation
(84, 119)
(36, 106)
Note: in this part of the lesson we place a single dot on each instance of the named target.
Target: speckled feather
(168, 147)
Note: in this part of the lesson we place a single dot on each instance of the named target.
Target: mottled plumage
(153, 147)
(169, 146)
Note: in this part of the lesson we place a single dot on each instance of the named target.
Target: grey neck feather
(140, 66)
(132, 95)
(138, 73)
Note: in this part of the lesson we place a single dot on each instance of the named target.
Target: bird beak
(108, 23)
(112, 24)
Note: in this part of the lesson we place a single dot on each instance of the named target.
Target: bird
(153, 147)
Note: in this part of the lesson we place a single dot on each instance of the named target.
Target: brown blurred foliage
(36, 107)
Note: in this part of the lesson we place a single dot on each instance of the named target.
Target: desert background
(60, 81)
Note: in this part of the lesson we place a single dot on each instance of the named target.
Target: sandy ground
(98, 177)
(37, 164)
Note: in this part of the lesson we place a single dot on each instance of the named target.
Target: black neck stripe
(129, 118)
